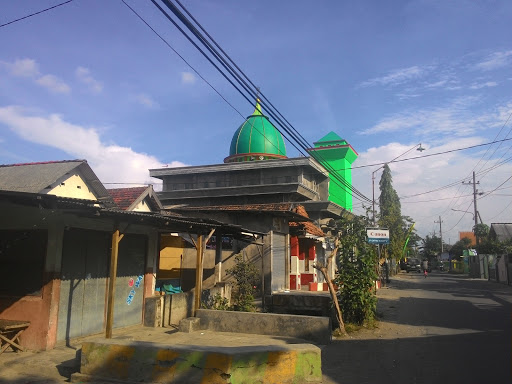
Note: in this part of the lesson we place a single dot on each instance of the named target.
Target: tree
(458, 248)
(324, 270)
(481, 230)
(431, 246)
(356, 275)
(391, 215)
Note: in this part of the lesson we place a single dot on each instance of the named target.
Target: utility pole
(440, 231)
(474, 201)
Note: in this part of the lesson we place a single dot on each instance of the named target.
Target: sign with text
(378, 236)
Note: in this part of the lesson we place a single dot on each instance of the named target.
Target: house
(501, 231)
(59, 232)
(136, 199)
(469, 235)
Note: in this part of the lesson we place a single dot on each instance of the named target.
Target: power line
(181, 57)
(425, 156)
(295, 138)
(458, 181)
(510, 115)
(466, 211)
(36, 13)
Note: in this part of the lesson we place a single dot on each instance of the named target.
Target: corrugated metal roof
(37, 177)
(34, 177)
(90, 208)
(503, 231)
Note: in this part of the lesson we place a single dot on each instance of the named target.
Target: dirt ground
(387, 326)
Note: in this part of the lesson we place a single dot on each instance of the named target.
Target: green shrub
(246, 278)
(356, 272)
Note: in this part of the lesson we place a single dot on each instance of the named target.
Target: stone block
(190, 324)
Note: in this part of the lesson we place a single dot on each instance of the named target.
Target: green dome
(256, 139)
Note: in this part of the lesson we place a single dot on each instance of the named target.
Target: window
(22, 256)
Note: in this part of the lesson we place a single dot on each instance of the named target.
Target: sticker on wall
(135, 284)
(130, 297)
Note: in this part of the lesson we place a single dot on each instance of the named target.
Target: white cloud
(495, 60)
(53, 83)
(146, 101)
(22, 68)
(456, 119)
(84, 75)
(112, 163)
(398, 76)
(484, 85)
(437, 84)
(188, 78)
(30, 69)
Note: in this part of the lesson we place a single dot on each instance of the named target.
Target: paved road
(442, 329)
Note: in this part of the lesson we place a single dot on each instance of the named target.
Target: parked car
(413, 265)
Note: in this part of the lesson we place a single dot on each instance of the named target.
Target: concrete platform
(144, 362)
(58, 364)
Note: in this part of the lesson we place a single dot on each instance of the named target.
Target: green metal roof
(331, 138)
(257, 138)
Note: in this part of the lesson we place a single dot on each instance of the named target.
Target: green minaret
(334, 152)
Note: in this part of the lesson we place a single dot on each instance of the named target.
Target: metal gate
(278, 282)
(84, 273)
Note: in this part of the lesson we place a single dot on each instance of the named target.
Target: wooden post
(199, 273)
(116, 238)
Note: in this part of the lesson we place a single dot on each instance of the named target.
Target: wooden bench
(10, 331)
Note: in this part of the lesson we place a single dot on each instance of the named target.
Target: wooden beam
(199, 273)
(116, 238)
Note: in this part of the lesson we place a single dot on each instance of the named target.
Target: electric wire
(503, 126)
(300, 140)
(244, 85)
(181, 57)
(186, 62)
(466, 211)
(427, 155)
(35, 13)
(262, 95)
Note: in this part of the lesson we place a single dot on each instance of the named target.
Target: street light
(420, 148)
(458, 210)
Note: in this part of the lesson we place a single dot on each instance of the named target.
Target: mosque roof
(256, 139)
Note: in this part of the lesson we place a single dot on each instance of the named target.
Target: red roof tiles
(124, 197)
(308, 226)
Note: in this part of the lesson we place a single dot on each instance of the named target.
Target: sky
(89, 80)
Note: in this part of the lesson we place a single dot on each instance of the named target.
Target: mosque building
(292, 201)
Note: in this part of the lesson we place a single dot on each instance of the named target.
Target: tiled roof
(286, 209)
(281, 207)
(124, 197)
(308, 226)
